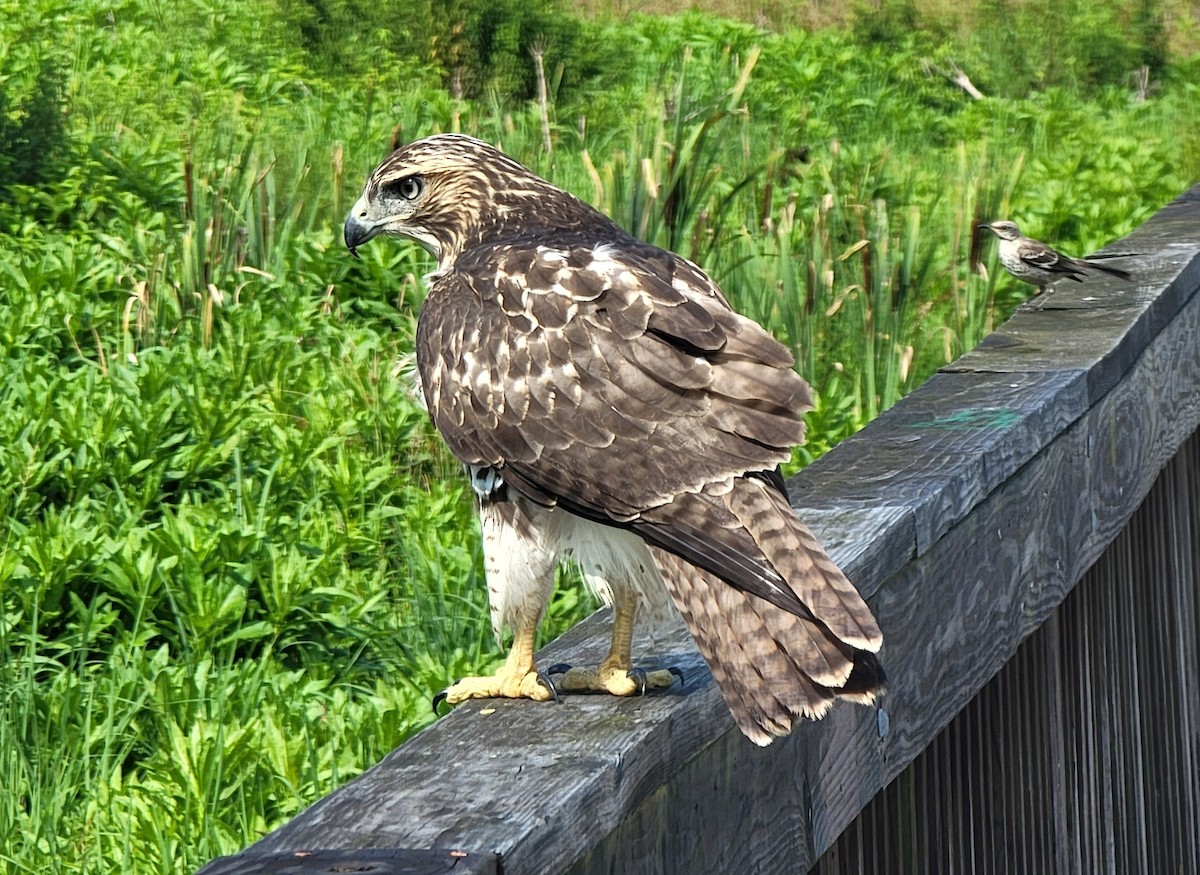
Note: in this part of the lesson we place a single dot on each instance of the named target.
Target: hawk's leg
(519, 560)
(616, 674)
(518, 678)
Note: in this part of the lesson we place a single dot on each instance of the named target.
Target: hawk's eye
(409, 187)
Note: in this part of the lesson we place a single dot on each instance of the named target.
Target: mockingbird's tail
(1115, 271)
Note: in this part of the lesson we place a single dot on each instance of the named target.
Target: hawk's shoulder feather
(589, 370)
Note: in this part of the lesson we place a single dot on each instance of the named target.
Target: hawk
(1034, 262)
(612, 409)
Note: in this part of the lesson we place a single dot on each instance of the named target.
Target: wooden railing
(966, 515)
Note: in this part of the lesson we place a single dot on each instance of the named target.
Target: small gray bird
(1034, 262)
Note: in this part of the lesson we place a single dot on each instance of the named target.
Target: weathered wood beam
(965, 514)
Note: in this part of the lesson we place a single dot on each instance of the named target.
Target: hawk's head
(450, 192)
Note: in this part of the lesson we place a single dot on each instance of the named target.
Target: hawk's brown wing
(616, 382)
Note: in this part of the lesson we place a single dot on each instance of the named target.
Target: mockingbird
(1034, 262)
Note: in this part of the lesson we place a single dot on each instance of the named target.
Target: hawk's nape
(612, 408)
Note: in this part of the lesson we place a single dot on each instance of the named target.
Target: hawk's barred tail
(756, 649)
(796, 556)
(771, 665)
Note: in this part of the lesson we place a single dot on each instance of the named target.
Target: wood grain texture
(945, 447)
(955, 615)
(965, 514)
(1078, 755)
(516, 777)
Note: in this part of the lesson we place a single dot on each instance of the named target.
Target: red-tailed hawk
(611, 408)
(1032, 261)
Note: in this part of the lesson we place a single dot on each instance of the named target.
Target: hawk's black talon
(544, 680)
(639, 675)
(679, 674)
(558, 668)
(438, 699)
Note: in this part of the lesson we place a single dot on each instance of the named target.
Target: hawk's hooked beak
(356, 233)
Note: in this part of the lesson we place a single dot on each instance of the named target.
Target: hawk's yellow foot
(518, 678)
(504, 684)
(616, 674)
(614, 678)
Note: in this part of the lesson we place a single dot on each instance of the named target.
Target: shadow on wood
(966, 515)
(371, 860)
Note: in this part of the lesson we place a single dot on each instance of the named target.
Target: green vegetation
(234, 560)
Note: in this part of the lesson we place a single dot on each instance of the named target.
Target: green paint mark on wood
(972, 418)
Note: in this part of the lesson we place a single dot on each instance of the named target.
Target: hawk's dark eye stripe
(408, 187)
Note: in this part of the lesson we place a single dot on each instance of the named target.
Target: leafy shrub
(33, 135)
(887, 23)
(1011, 48)
(1019, 47)
(477, 46)
(36, 145)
